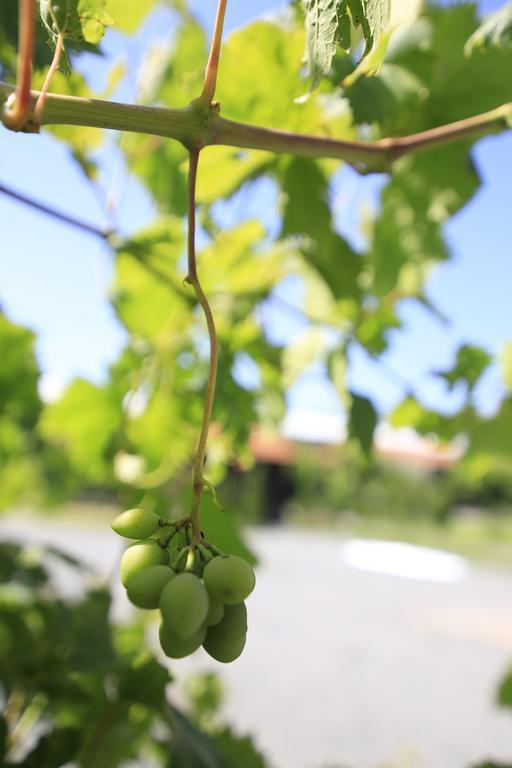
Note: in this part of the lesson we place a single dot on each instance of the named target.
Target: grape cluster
(200, 591)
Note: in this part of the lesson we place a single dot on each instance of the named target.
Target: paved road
(351, 667)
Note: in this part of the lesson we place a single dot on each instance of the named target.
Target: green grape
(229, 579)
(177, 648)
(145, 587)
(215, 613)
(226, 640)
(184, 605)
(136, 523)
(141, 555)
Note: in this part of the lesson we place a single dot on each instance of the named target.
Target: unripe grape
(141, 555)
(215, 613)
(177, 648)
(226, 640)
(229, 579)
(145, 587)
(136, 523)
(184, 605)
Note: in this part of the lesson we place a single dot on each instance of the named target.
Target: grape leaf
(328, 24)
(306, 212)
(238, 750)
(75, 19)
(83, 422)
(362, 422)
(494, 32)
(471, 362)
(128, 16)
(504, 694)
(506, 364)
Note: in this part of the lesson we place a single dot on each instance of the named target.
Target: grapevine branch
(16, 114)
(198, 126)
(198, 481)
(205, 100)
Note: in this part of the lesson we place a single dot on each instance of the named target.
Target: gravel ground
(348, 667)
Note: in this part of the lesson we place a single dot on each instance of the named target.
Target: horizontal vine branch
(196, 126)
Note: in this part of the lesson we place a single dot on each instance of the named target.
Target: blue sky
(56, 280)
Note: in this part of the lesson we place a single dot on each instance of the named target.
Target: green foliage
(79, 690)
(329, 24)
(362, 422)
(470, 364)
(495, 31)
(75, 19)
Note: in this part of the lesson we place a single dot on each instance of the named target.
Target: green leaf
(362, 422)
(506, 364)
(90, 641)
(301, 353)
(19, 374)
(129, 16)
(470, 363)
(190, 748)
(504, 694)
(83, 423)
(57, 748)
(410, 413)
(76, 19)
(148, 292)
(494, 32)
(306, 212)
(328, 24)
(407, 230)
(273, 50)
(238, 751)
(492, 436)
(325, 25)
(223, 528)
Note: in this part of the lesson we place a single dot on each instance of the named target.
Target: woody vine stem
(198, 480)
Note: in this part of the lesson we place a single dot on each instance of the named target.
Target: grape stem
(198, 480)
(16, 112)
(210, 77)
(59, 47)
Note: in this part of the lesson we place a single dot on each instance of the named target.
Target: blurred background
(361, 443)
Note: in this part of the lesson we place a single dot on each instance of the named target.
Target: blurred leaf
(495, 31)
(223, 528)
(190, 748)
(306, 212)
(407, 230)
(83, 422)
(238, 751)
(90, 639)
(148, 289)
(470, 363)
(18, 373)
(129, 16)
(410, 413)
(362, 422)
(504, 695)
(506, 364)
(273, 50)
(301, 353)
(55, 749)
(224, 169)
(492, 436)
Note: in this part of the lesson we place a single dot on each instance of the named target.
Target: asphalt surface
(350, 667)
